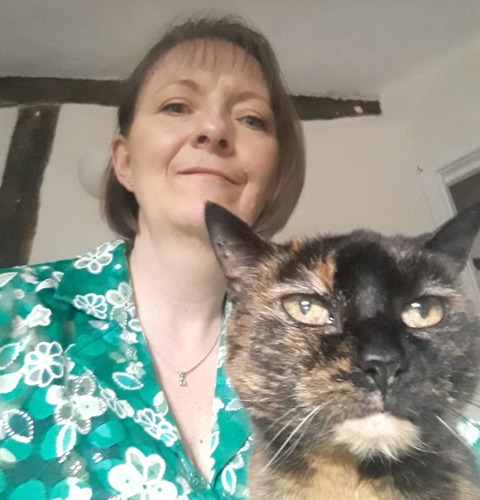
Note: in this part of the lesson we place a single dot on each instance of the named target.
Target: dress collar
(98, 282)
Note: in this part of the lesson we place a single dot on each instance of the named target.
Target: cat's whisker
(311, 414)
(302, 434)
(282, 428)
(458, 413)
(295, 444)
(473, 403)
(278, 452)
(453, 431)
(471, 422)
(422, 447)
(323, 435)
(281, 417)
(316, 445)
(413, 412)
(277, 420)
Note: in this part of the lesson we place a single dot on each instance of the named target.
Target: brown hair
(120, 205)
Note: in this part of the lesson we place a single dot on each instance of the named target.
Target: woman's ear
(121, 162)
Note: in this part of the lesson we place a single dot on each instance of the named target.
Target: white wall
(440, 109)
(361, 173)
(69, 219)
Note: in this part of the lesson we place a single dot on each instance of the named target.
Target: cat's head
(358, 341)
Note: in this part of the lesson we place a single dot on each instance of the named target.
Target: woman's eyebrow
(185, 82)
(195, 86)
(251, 94)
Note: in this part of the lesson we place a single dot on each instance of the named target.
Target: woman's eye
(175, 108)
(423, 312)
(307, 309)
(255, 122)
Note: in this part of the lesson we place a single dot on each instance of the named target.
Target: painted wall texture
(69, 218)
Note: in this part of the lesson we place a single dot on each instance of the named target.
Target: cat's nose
(381, 356)
(382, 370)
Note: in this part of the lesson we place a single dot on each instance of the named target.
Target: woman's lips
(207, 171)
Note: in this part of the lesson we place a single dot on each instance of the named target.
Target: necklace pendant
(181, 379)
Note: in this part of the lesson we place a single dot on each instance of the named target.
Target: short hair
(121, 207)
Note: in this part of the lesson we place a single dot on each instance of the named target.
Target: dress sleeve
(32, 362)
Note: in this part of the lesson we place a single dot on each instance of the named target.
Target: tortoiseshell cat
(354, 356)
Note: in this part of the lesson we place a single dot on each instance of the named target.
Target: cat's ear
(236, 246)
(455, 238)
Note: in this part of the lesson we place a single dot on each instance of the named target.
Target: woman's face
(203, 130)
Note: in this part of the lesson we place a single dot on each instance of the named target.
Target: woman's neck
(177, 283)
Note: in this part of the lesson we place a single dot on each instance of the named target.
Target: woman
(112, 362)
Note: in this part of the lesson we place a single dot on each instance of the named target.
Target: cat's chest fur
(333, 478)
(354, 356)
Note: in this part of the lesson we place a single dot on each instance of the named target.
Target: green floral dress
(81, 413)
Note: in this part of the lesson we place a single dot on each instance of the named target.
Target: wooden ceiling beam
(327, 108)
(22, 91)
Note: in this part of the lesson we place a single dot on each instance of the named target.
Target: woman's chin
(188, 216)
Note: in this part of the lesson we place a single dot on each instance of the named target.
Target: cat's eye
(307, 309)
(423, 312)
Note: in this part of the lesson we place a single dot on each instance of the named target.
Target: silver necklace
(182, 381)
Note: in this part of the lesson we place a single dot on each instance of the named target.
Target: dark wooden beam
(327, 108)
(27, 158)
(17, 91)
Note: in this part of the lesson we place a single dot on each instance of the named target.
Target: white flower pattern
(121, 408)
(141, 477)
(121, 297)
(129, 337)
(157, 426)
(44, 364)
(76, 492)
(95, 261)
(6, 277)
(39, 316)
(71, 406)
(93, 304)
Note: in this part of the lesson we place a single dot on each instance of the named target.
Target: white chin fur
(381, 433)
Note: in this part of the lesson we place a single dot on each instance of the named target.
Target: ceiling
(339, 48)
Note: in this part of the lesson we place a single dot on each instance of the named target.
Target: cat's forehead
(373, 253)
(365, 247)
(362, 258)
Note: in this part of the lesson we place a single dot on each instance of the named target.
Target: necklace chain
(182, 381)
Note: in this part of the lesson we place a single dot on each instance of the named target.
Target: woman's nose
(213, 132)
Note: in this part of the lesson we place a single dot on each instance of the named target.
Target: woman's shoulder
(26, 288)
(23, 287)
(34, 274)
(29, 276)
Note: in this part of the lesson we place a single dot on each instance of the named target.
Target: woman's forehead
(213, 56)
